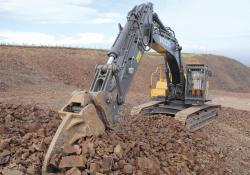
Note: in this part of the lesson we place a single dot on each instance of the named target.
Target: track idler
(84, 115)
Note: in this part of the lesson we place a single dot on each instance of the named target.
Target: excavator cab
(196, 89)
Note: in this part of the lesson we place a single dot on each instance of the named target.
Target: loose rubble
(26, 132)
(138, 145)
(141, 145)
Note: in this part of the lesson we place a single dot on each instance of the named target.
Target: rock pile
(138, 145)
(26, 132)
(141, 145)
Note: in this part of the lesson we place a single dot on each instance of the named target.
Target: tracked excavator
(90, 113)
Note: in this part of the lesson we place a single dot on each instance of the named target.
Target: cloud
(54, 11)
(194, 47)
(77, 40)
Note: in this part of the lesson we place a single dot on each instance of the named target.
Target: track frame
(193, 117)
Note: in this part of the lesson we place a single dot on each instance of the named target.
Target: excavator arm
(143, 31)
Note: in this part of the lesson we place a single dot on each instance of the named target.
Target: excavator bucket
(80, 118)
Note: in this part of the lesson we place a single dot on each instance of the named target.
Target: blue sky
(202, 26)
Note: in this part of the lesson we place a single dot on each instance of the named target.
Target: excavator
(90, 113)
(161, 88)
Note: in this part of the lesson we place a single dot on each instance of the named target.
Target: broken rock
(118, 151)
(73, 171)
(4, 157)
(3, 144)
(147, 165)
(7, 171)
(69, 149)
(31, 170)
(72, 161)
(128, 169)
(107, 163)
(94, 168)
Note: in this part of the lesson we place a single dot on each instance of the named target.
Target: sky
(201, 26)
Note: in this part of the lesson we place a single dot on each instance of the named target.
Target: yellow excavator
(161, 88)
(91, 112)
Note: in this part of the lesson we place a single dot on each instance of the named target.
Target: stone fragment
(2, 128)
(47, 140)
(107, 164)
(69, 149)
(94, 168)
(109, 149)
(34, 127)
(221, 155)
(146, 164)
(4, 144)
(98, 173)
(84, 149)
(7, 171)
(4, 157)
(41, 132)
(34, 157)
(55, 160)
(118, 151)
(27, 136)
(31, 170)
(84, 173)
(5, 153)
(167, 170)
(127, 169)
(39, 146)
(121, 164)
(8, 121)
(91, 149)
(78, 149)
(25, 155)
(73, 171)
(72, 161)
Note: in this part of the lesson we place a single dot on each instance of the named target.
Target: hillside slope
(20, 66)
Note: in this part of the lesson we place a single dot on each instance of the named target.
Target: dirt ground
(31, 91)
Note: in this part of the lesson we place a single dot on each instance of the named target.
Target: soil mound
(24, 65)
